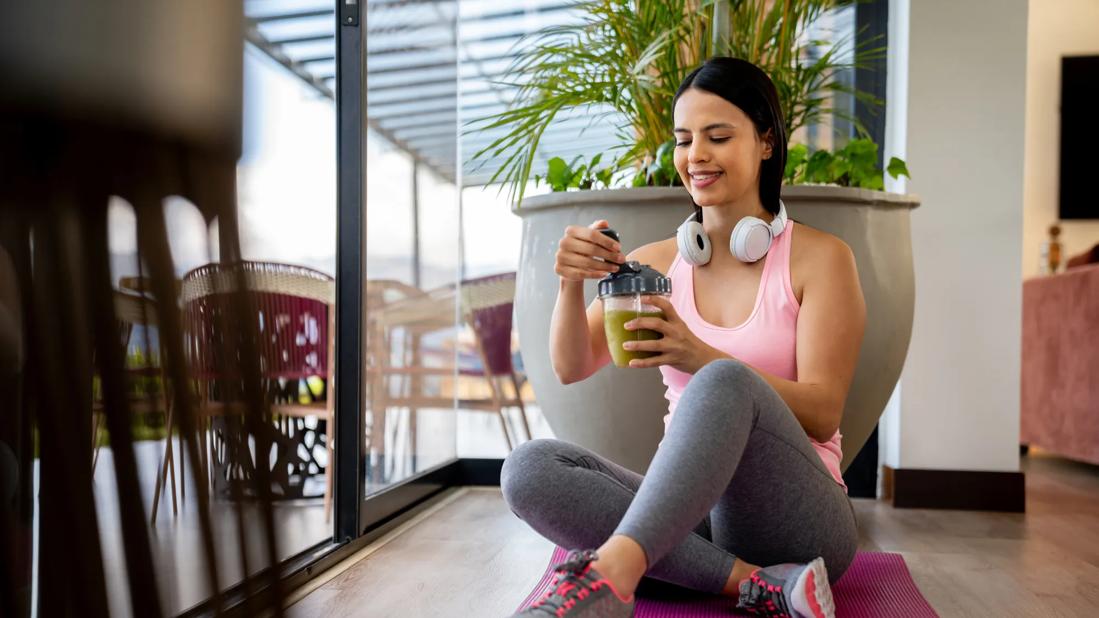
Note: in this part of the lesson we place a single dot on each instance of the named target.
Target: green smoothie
(614, 323)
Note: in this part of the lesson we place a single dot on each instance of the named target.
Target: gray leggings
(735, 476)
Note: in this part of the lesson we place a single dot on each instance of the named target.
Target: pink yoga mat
(876, 585)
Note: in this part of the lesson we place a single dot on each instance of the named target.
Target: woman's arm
(829, 335)
(578, 346)
(578, 341)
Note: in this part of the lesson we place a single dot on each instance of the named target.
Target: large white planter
(617, 412)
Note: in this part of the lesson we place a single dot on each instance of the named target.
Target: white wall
(1055, 28)
(959, 408)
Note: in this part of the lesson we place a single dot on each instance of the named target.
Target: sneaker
(580, 592)
(788, 591)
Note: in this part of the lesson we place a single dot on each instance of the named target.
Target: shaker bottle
(621, 293)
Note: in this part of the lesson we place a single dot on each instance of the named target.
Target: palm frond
(626, 58)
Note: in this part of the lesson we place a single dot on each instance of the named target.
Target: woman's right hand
(578, 248)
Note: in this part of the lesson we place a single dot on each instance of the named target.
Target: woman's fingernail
(627, 345)
(629, 325)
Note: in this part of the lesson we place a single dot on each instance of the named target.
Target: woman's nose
(697, 153)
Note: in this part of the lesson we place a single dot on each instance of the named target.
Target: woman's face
(717, 150)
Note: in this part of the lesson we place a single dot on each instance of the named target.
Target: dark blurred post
(140, 99)
(16, 457)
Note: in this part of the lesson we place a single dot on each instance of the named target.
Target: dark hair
(745, 85)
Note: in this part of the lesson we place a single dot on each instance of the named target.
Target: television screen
(1079, 137)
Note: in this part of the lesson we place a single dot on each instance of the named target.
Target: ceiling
(431, 65)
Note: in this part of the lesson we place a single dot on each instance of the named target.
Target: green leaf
(795, 160)
(839, 170)
(816, 168)
(578, 176)
(873, 182)
(559, 174)
(897, 168)
(862, 155)
(604, 177)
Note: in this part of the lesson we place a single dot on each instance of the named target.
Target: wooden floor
(473, 557)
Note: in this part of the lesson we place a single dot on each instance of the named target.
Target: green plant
(854, 165)
(625, 59)
(660, 171)
(564, 176)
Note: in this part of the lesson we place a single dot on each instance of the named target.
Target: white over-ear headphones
(749, 242)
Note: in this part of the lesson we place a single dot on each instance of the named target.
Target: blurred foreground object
(139, 99)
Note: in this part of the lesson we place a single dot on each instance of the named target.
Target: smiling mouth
(704, 179)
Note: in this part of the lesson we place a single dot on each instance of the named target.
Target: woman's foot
(789, 591)
(580, 592)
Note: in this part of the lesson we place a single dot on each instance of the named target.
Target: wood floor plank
(473, 557)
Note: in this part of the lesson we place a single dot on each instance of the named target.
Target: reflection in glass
(286, 198)
(412, 230)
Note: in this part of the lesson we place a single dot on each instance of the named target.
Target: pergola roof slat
(424, 82)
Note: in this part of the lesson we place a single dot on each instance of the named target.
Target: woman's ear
(768, 140)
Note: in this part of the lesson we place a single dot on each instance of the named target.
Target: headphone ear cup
(693, 243)
(750, 240)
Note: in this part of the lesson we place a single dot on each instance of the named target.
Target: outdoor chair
(487, 305)
(133, 310)
(295, 318)
(400, 359)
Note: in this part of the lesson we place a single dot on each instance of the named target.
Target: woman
(757, 357)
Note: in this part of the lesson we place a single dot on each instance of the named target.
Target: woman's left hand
(679, 347)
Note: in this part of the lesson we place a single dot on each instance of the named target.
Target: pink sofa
(1060, 363)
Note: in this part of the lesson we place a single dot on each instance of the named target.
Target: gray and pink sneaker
(788, 591)
(580, 592)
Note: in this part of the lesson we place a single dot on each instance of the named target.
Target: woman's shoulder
(813, 243)
(659, 254)
(815, 253)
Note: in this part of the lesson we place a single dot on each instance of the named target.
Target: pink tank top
(766, 340)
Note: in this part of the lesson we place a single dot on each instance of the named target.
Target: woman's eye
(716, 140)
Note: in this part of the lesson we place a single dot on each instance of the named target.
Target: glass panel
(835, 27)
(286, 195)
(489, 33)
(412, 236)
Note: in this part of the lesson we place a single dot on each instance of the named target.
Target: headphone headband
(778, 224)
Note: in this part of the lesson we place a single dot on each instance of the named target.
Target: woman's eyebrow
(716, 125)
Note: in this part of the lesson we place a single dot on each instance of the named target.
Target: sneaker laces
(761, 598)
(572, 579)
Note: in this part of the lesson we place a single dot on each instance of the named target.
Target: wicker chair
(485, 305)
(295, 320)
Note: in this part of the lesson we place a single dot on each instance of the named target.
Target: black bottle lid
(634, 278)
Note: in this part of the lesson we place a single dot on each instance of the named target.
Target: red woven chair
(295, 320)
(487, 305)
